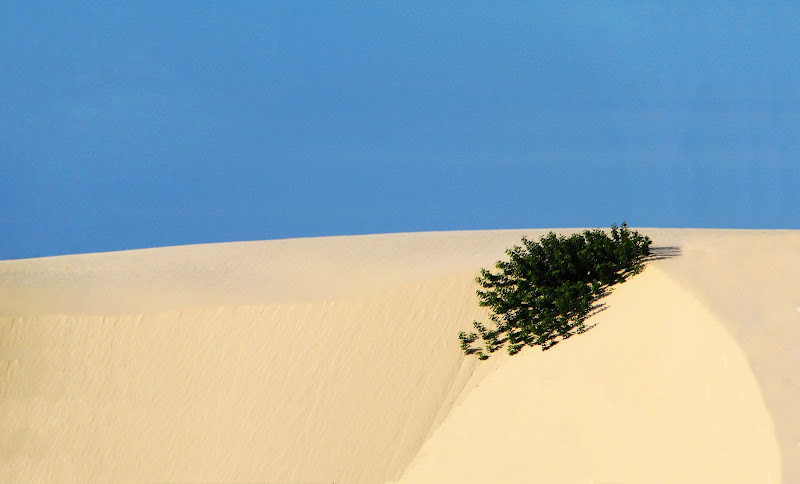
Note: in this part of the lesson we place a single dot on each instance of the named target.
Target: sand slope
(656, 392)
(335, 360)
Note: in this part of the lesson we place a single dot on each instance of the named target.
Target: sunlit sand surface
(337, 360)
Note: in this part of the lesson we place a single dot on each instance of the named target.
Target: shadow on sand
(661, 253)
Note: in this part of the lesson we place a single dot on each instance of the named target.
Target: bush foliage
(546, 290)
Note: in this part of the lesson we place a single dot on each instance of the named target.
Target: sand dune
(336, 360)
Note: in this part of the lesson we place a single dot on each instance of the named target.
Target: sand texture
(336, 360)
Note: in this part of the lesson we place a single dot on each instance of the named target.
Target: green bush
(546, 290)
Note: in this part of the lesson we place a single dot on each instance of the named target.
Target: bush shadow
(663, 252)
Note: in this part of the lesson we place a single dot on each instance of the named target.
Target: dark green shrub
(546, 290)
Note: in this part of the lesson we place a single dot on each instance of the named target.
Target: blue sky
(167, 123)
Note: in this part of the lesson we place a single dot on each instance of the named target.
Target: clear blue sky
(166, 123)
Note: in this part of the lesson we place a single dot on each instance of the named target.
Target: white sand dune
(336, 360)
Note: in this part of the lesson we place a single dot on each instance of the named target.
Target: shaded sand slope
(336, 359)
(312, 360)
(339, 391)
